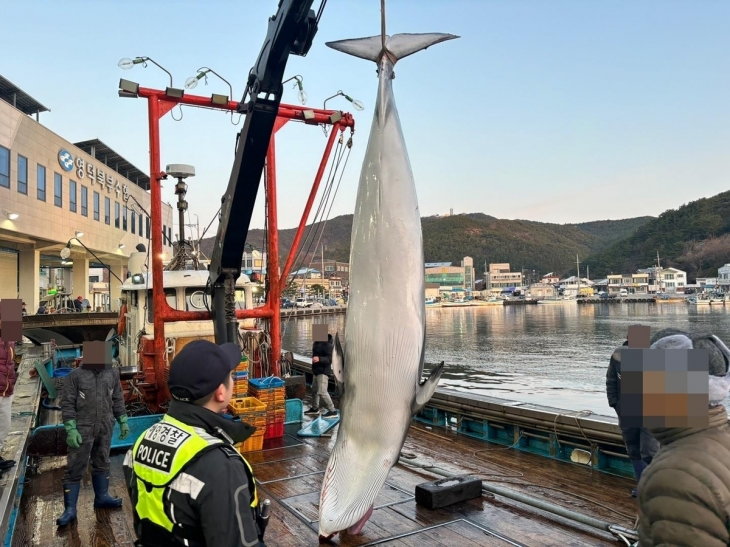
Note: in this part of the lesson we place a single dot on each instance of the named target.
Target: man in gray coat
(92, 399)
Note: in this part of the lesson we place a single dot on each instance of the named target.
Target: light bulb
(125, 63)
(191, 82)
(65, 253)
(302, 96)
(358, 105)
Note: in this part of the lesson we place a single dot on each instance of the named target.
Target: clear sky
(556, 111)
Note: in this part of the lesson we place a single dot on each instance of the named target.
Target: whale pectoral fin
(338, 364)
(426, 389)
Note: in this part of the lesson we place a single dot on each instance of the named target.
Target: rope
(575, 415)
(331, 176)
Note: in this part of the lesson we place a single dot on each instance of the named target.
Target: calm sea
(552, 354)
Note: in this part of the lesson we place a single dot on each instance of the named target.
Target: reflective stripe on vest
(160, 455)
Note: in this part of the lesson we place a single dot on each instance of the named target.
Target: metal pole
(272, 265)
(529, 500)
(158, 291)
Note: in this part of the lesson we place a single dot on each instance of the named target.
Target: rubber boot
(102, 499)
(639, 466)
(70, 497)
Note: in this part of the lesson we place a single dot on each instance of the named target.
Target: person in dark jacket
(321, 369)
(91, 400)
(640, 443)
(187, 482)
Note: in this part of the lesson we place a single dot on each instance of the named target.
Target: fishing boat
(568, 472)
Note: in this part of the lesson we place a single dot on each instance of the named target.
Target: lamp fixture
(299, 83)
(79, 234)
(357, 104)
(174, 92)
(121, 245)
(128, 88)
(12, 216)
(203, 72)
(127, 63)
(66, 251)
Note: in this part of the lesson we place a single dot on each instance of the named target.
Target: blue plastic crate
(137, 426)
(266, 383)
(294, 411)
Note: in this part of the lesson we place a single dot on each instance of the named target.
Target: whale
(379, 366)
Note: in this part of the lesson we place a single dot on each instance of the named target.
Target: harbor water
(554, 355)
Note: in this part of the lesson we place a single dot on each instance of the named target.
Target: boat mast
(577, 264)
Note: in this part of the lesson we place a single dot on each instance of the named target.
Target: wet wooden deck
(290, 471)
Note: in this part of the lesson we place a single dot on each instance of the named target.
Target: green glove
(73, 437)
(123, 426)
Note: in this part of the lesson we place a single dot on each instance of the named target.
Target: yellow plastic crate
(253, 443)
(246, 405)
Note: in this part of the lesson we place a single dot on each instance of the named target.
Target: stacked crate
(253, 412)
(240, 380)
(271, 391)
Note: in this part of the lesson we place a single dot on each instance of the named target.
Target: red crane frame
(159, 103)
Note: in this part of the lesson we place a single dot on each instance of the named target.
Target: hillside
(540, 246)
(693, 237)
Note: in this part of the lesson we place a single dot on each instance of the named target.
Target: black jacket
(323, 350)
(92, 396)
(216, 512)
(613, 379)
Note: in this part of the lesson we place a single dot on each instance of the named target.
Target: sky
(560, 111)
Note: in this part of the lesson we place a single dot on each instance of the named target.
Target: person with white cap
(684, 495)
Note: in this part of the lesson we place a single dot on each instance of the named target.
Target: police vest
(160, 455)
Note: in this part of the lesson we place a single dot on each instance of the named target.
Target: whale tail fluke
(396, 47)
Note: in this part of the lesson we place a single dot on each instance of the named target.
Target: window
(169, 236)
(22, 174)
(4, 167)
(170, 296)
(164, 234)
(116, 214)
(140, 224)
(72, 195)
(197, 300)
(41, 182)
(147, 219)
(96, 205)
(107, 211)
(133, 221)
(124, 218)
(84, 201)
(57, 190)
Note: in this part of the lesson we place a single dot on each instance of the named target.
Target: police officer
(91, 400)
(188, 484)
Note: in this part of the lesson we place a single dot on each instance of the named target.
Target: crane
(291, 32)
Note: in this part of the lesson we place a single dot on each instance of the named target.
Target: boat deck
(290, 471)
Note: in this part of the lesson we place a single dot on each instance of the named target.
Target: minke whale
(380, 368)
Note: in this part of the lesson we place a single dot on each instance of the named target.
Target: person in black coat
(321, 369)
(641, 446)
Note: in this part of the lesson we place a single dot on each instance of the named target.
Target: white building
(673, 280)
(56, 194)
(723, 276)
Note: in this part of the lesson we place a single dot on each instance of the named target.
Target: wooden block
(444, 492)
(296, 388)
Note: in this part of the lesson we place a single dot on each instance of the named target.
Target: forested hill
(694, 237)
(540, 246)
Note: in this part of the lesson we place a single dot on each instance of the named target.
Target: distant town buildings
(446, 275)
(499, 276)
(723, 276)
